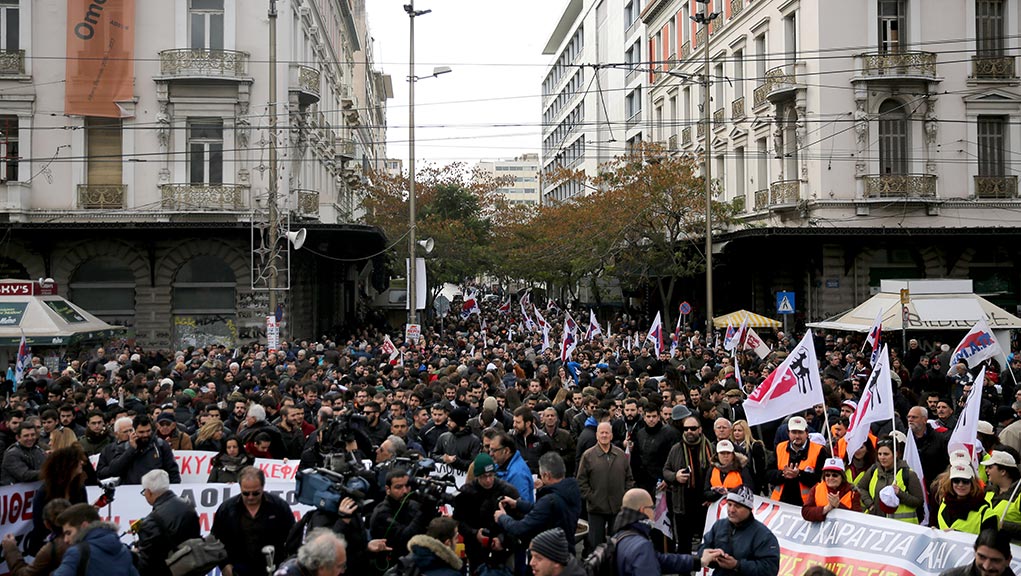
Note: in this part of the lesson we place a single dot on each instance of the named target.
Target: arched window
(893, 138)
(204, 285)
(790, 144)
(105, 287)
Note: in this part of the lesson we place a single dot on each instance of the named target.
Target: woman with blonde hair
(962, 502)
(62, 438)
(210, 436)
(754, 449)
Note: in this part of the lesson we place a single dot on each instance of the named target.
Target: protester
(798, 465)
(94, 542)
(324, 553)
(171, 522)
(249, 521)
(1002, 491)
(729, 472)
(434, 553)
(746, 443)
(889, 488)
(992, 556)
(747, 545)
(228, 464)
(551, 555)
(557, 503)
(50, 554)
(961, 503)
(684, 472)
(143, 453)
(513, 467)
(23, 459)
(636, 555)
(604, 475)
(831, 493)
(474, 508)
(63, 475)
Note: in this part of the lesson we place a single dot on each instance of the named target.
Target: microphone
(269, 552)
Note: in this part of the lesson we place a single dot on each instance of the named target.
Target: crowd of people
(542, 441)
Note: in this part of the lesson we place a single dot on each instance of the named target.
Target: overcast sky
(489, 106)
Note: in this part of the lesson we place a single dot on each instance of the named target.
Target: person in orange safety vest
(832, 492)
(798, 465)
(729, 472)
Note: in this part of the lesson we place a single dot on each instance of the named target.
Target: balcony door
(893, 138)
(104, 142)
(892, 25)
(206, 21)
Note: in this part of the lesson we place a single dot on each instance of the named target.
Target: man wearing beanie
(635, 553)
(748, 547)
(551, 556)
(474, 506)
(457, 446)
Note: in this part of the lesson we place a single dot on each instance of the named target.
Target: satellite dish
(427, 245)
(297, 239)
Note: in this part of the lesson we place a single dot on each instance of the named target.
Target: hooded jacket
(556, 506)
(108, 556)
(461, 444)
(517, 474)
(636, 555)
(433, 558)
(751, 542)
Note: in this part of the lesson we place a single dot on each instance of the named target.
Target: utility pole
(704, 17)
(274, 216)
(412, 288)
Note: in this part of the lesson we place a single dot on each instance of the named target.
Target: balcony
(12, 62)
(900, 186)
(634, 120)
(102, 197)
(671, 142)
(700, 130)
(996, 186)
(685, 50)
(686, 136)
(204, 64)
(631, 75)
(898, 66)
(759, 95)
(781, 83)
(736, 6)
(993, 68)
(305, 81)
(204, 197)
(700, 37)
(344, 148)
(738, 204)
(761, 199)
(737, 108)
(784, 192)
(718, 119)
(308, 204)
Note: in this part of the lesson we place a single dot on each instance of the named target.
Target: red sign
(26, 288)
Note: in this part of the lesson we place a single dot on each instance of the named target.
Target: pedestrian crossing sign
(785, 302)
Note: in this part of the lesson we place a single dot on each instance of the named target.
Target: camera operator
(397, 518)
(347, 521)
(474, 507)
(458, 445)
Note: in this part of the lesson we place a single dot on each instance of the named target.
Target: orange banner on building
(100, 57)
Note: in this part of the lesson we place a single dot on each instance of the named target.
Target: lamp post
(704, 17)
(271, 201)
(412, 272)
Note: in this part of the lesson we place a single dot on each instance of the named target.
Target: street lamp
(704, 17)
(412, 289)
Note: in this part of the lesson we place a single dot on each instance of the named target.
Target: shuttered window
(893, 138)
(989, 27)
(991, 145)
(104, 140)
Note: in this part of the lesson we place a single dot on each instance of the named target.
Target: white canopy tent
(934, 305)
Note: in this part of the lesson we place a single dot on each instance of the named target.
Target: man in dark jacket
(560, 438)
(635, 553)
(652, 444)
(557, 503)
(531, 442)
(23, 459)
(142, 453)
(324, 553)
(992, 556)
(398, 518)
(249, 521)
(551, 556)
(256, 423)
(433, 552)
(457, 446)
(748, 547)
(684, 472)
(932, 445)
(474, 506)
(107, 555)
(171, 522)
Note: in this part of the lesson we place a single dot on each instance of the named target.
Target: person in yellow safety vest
(1004, 487)
(890, 495)
(962, 505)
(798, 465)
(834, 491)
(837, 431)
(729, 472)
(859, 462)
(986, 437)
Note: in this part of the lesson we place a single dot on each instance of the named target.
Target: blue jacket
(637, 557)
(751, 542)
(519, 476)
(108, 556)
(557, 506)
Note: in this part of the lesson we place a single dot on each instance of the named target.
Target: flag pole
(829, 431)
(893, 425)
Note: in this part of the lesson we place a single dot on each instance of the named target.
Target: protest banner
(195, 466)
(16, 511)
(851, 543)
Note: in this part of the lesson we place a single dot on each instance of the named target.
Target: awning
(46, 319)
(754, 320)
(933, 305)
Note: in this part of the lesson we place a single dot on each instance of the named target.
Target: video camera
(427, 485)
(342, 477)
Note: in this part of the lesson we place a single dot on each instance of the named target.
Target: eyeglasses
(143, 491)
(831, 474)
(370, 412)
(252, 494)
(960, 481)
(692, 428)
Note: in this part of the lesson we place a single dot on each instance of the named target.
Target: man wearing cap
(551, 555)
(166, 428)
(636, 555)
(474, 506)
(1002, 491)
(832, 492)
(729, 472)
(604, 474)
(734, 398)
(748, 547)
(992, 556)
(457, 446)
(798, 465)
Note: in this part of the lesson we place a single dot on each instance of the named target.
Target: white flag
(593, 326)
(978, 344)
(388, 347)
(753, 342)
(914, 462)
(876, 404)
(965, 434)
(569, 341)
(655, 334)
(794, 386)
(733, 339)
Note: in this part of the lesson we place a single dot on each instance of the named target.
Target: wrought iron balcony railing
(738, 203)
(686, 136)
(305, 80)
(993, 67)
(204, 63)
(737, 108)
(197, 197)
(900, 186)
(718, 118)
(759, 95)
(784, 192)
(996, 186)
(736, 6)
(899, 64)
(12, 62)
(761, 199)
(308, 203)
(102, 196)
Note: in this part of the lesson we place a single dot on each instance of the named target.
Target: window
(790, 29)
(684, 27)
(739, 179)
(633, 102)
(660, 130)
(761, 58)
(9, 148)
(204, 285)
(205, 151)
(738, 74)
(206, 18)
(891, 25)
(989, 28)
(105, 287)
(9, 25)
(992, 142)
(719, 80)
(687, 105)
(672, 129)
(673, 36)
(893, 138)
(103, 142)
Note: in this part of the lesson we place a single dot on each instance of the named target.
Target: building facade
(524, 169)
(871, 140)
(150, 219)
(593, 92)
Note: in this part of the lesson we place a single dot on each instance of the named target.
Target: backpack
(196, 556)
(602, 561)
(405, 566)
